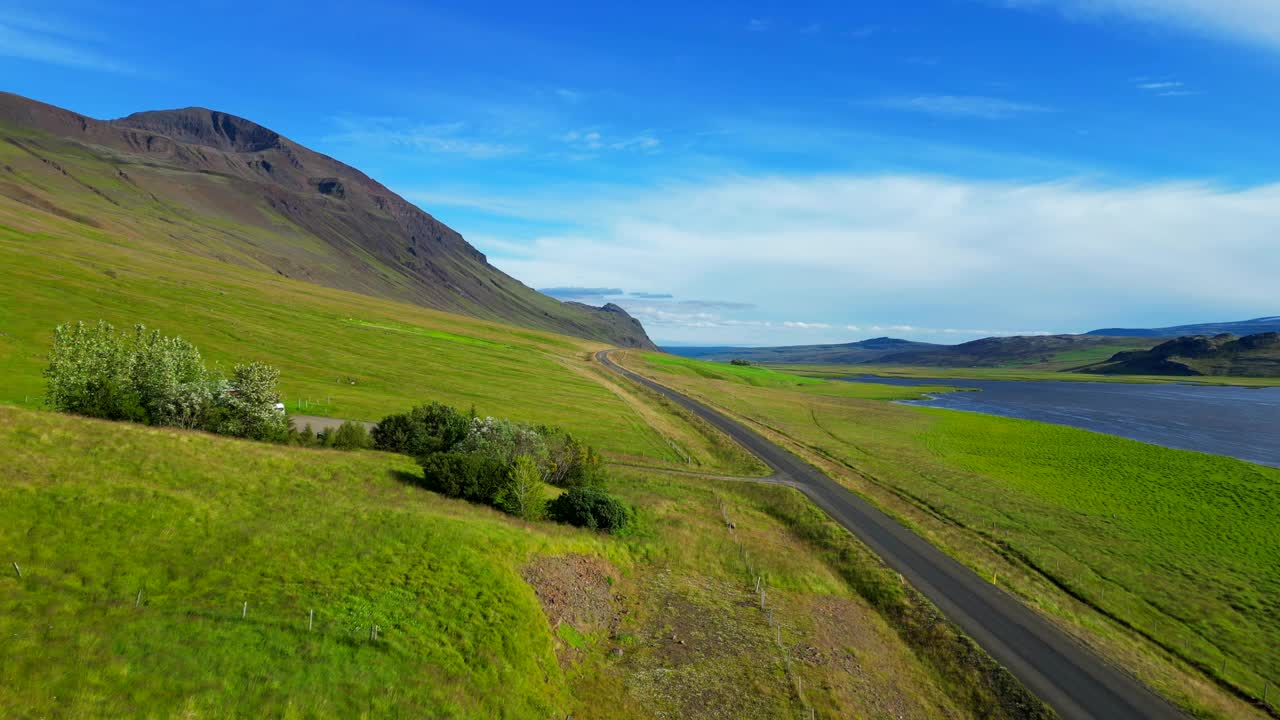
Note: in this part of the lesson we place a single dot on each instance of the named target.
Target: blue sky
(785, 173)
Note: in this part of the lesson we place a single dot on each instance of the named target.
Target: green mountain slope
(221, 187)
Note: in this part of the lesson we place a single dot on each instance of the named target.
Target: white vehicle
(278, 407)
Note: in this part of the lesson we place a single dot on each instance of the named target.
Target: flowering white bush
(147, 377)
(504, 440)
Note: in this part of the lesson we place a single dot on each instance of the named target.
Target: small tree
(570, 463)
(89, 373)
(348, 436)
(740, 362)
(170, 378)
(523, 494)
(246, 407)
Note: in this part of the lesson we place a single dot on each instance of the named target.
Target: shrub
(147, 377)
(470, 476)
(590, 507)
(523, 494)
(740, 362)
(348, 436)
(422, 431)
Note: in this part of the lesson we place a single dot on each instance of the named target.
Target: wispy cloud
(864, 32)
(1165, 88)
(849, 250)
(570, 96)
(450, 138)
(1255, 21)
(590, 141)
(759, 24)
(44, 42)
(971, 106)
(573, 293)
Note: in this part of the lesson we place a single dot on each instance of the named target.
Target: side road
(1070, 678)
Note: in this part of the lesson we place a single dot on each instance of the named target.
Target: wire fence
(336, 622)
(759, 589)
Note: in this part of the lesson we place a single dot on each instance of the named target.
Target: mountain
(1028, 350)
(219, 186)
(1243, 327)
(1056, 351)
(1223, 354)
(865, 351)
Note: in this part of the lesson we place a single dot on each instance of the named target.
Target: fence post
(1266, 689)
(311, 619)
(138, 602)
(17, 570)
(244, 611)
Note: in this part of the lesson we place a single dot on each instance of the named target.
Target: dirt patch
(863, 671)
(703, 650)
(576, 590)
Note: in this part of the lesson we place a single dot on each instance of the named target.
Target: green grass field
(93, 512)
(1179, 547)
(750, 374)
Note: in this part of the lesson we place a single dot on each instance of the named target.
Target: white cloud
(947, 254)
(40, 42)
(805, 325)
(986, 108)
(448, 138)
(1253, 20)
(569, 96)
(591, 141)
(1165, 88)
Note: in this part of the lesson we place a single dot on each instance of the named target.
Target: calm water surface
(1240, 422)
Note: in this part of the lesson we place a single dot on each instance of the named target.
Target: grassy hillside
(221, 187)
(1165, 559)
(341, 354)
(480, 615)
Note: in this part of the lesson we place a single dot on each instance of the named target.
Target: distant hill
(1224, 354)
(1050, 351)
(203, 182)
(1242, 327)
(854, 353)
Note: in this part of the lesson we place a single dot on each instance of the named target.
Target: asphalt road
(1070, 678)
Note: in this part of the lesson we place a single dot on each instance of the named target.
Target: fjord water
(1239, 422)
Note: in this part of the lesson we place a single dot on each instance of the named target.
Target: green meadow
(168, 573)
(1175, 551)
